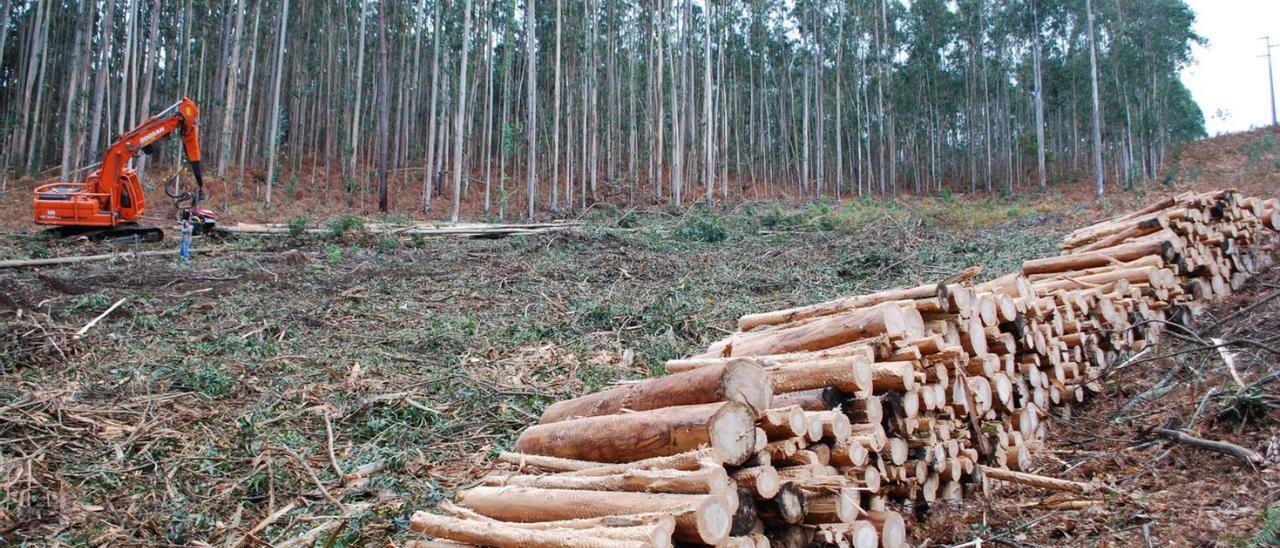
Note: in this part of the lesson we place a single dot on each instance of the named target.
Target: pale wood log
(1101, 230)
(784, 422)
(832, 425)
(893, 376)
(869, 409)
(699, 518)
(787, 506)
(663, 519)
(1043, 482)
(782, 449)
(818, 399)
(852, 375)
(491, 533)
(890, 526)
(709, 480)
(839, 507)
(753, 321)
(821, 333)
(864, 348)
(762, 481)
(1146, 275)
(1146, 260)
(849, 454)
(729, 428)
(1162, 245)
(1013, 284)
(739, 380)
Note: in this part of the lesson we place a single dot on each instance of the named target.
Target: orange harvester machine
(112, 198)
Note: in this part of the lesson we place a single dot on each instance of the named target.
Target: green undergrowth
(422, 353)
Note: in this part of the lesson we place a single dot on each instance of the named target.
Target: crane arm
(181, 117)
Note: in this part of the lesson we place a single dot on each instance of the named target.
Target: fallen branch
(26, 263)
(1245, 455)
(1034, 480)
(99, 318)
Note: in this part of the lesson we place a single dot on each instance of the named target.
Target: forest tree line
(537, 105)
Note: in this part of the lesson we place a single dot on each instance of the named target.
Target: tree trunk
(459, 120)
(233, 82)
(247, 120)
(531, 125)
(1097, 106)
(384, 108)
(275, 101)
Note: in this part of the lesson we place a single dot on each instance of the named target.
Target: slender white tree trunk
(233, 82)
(246, 121)
(459, 118)
(431, 119)
(531, 126)
(708, 168)
(275, 101)
(555, 131)
(1097, 105)
(355, 109)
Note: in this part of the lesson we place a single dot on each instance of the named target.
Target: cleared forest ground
(259, 380)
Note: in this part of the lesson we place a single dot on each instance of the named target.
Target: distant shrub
(388, 243)
(702, 226)
(333, 253)
(298, 225)
(344, 224)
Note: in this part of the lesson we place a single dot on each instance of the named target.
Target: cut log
(740, 380)
(1163, 246)
(762, 481)
(825, 332)
(729, 428)
(699, 518)
(788, 505)
(753, 321)
(498, 534)
(709, 480)
(746, 517)
(893, 376)
(784, 422)
(890, 526)
(850, 375)
(838, 507)
(818, 399)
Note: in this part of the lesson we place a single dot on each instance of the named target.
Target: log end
(732, 431)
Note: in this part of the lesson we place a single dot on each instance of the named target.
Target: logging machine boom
(109, 203)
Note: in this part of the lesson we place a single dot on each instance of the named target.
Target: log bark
(741, 380)
(890, 526)
(849, 375)
(699, 518)
(762, 481)
(729, 428)
(1165, 247)
(818, 399)
(498, 534)
(1043, 482)
(927, 291)
(822, 333)
(709, 480)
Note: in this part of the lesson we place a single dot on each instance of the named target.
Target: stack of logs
(809, 424)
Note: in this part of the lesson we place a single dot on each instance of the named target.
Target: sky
(1228, 78)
